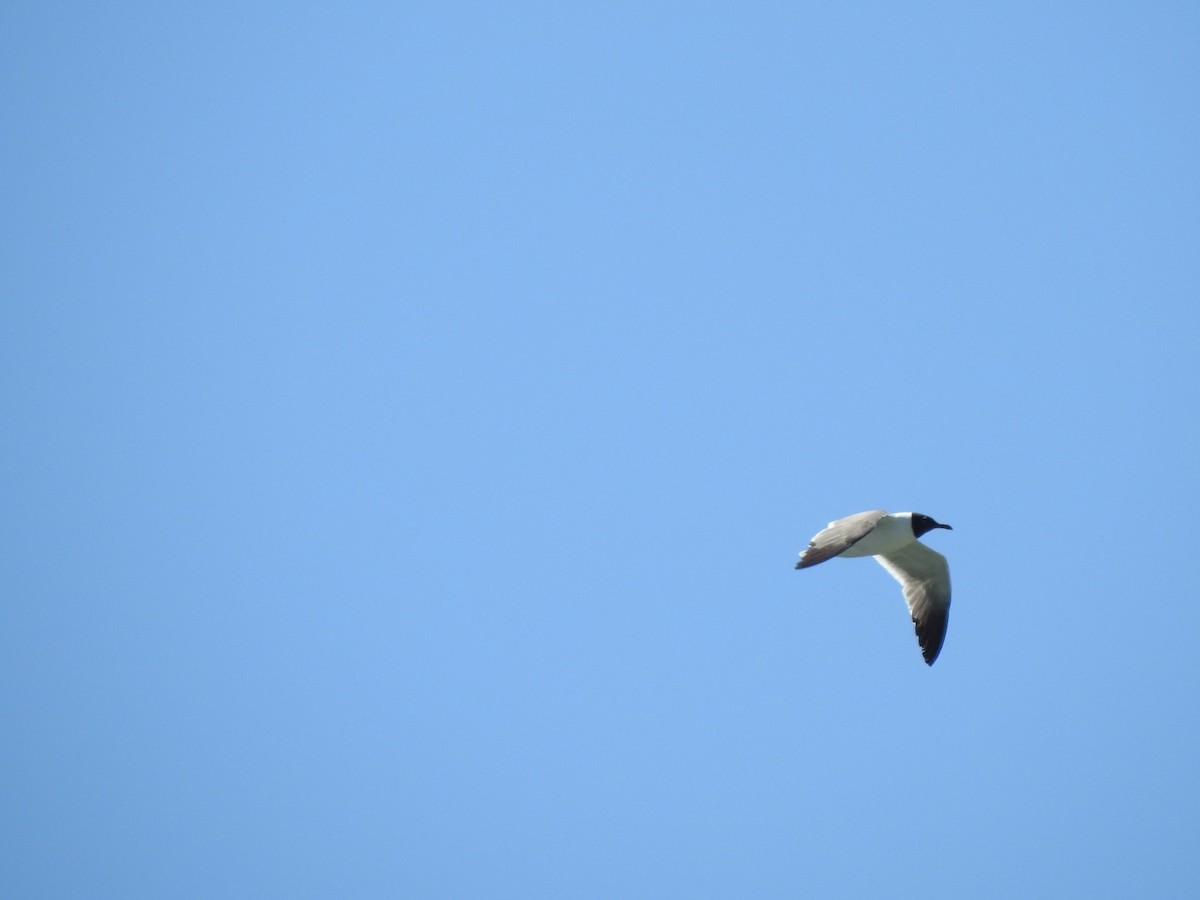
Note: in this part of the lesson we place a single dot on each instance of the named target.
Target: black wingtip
(931, 635)
(930, 652)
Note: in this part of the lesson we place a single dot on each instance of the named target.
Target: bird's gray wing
(925, 577)
(839, 536)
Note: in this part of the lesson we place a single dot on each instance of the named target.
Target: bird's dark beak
(940, 525)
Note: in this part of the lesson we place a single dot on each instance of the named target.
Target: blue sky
(413, 413)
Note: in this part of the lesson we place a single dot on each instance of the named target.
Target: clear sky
(412, 413)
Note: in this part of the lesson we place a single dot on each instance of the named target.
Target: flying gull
(892, 539)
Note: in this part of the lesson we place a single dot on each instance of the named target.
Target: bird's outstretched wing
(925, 577)
(839, 536)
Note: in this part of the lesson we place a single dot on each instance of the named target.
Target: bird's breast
(888, 536)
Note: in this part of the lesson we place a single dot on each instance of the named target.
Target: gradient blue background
(412, 413)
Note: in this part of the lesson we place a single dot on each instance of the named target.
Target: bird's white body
(891, 533)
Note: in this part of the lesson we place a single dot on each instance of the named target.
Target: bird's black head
(922, 523)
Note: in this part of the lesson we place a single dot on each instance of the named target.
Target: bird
(891, 538)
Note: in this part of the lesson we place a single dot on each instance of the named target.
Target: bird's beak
(940, 525)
